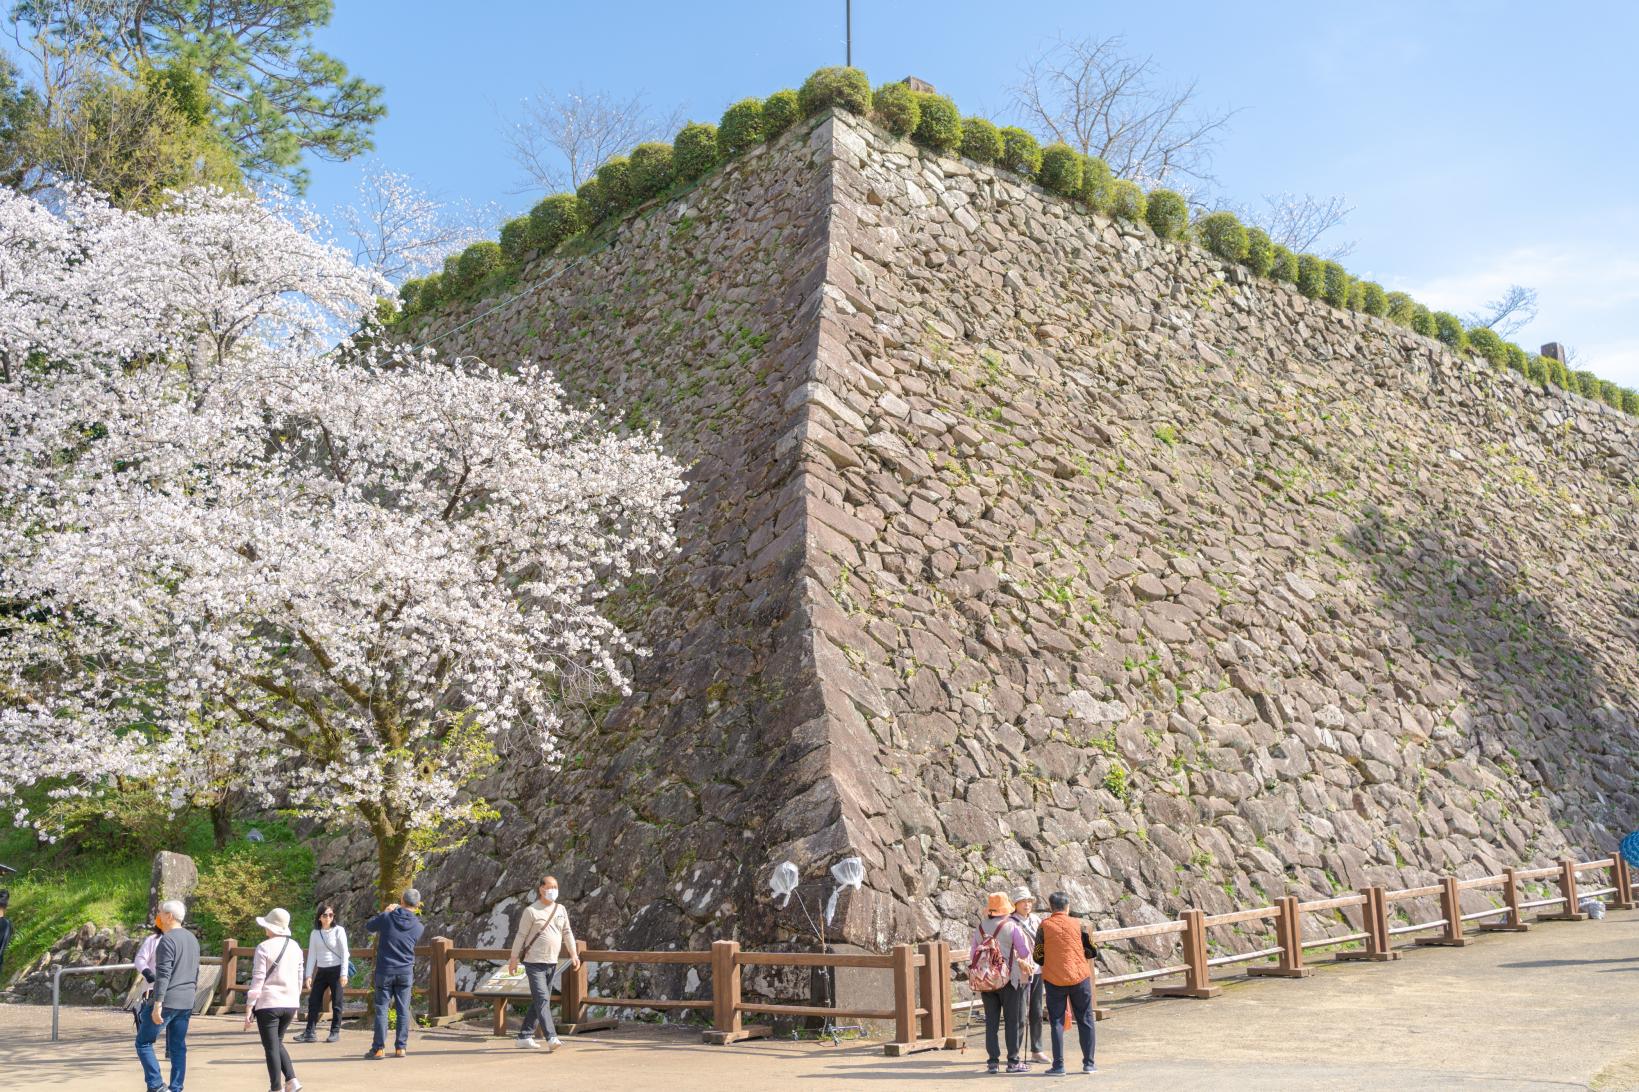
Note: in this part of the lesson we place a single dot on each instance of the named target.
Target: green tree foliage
(740, 128)
(589, 196)
(1260, 251)
(1095, 184)
(409, 293)
(1338, 284)
(651, 169)
(897, 108)
(981, 141)
(1401, 308)
(1630, 402)
(1020, 152)
(1373, 299)
(1449, 329)
(780, 111)
(1285, 267)
(694, 152)
(1060, 170)
(1224, 235)
(1167, 214)
(1422, 321)
(1311, 278)
(1484, 340)
(846, 88)
(614, 192)
(940, 125)
(1127, 201)
(554, 219)
(432, 292)
(517, 239)
(477, 262)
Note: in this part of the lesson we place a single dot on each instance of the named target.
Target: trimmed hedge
(1517, 358)
(517, 239)
(651, 170)
(555, 219)
(1373, 299)
(1224, 236)
(981, 141)
(1484, 340)
(1338, 284)
(1127, 201)
(694, 152)
(1060, 170)
(1020, 152)
(1286, 265)
(780, 112)
(897, 108)
(940, 126)
(1311, 279)
(1095, 183)
(409, 296)
(432, 292)
(478, 261)
(741, 127)
(1168, 214)
(1449, 329)
(1260, 252)
(1401, 307)
(840, 87)
(1422, 321)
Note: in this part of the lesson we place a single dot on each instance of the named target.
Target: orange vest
(1062, 962)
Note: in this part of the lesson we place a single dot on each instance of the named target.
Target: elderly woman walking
(272, 996)
(999, 970)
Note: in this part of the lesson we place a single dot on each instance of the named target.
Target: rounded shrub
(1585, 383)
(651, 169)
(1484, 340)
(1401, 306)
(1339, 284)
(589, 196)
(1127, 201)
(981, 140)
(517, 239)
(1373, 299)
(1285, 267)
(1546, 367)
(1223, 234)
(409, 296)
(554, 219)
(452, 275)
(1516, 358)
(897, 108)
(939, 127)
(1537, 371)
(1167, 214)
(780, 111)
(432, 292)
(1260, 251)
(1095, 183)
(1422, 320)
(480, 260)
(1020, 152)
(1311, 278)
(1060, 170)
(740, 128)
(840, 87)
(1630, 402)
(1610, 394)
(615, 185)
(1449, 329)
(694, 152)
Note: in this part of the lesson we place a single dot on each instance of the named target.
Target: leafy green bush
(780, 112)
(517, 239)
(1422, 321)
(1536, 370)
(1224, 235)
(1311, 279)
(1585, 383)
(1127, 201)
(409, 296)
(1401, 307)
(1545, 366)
(480, 260)
(1449, 329)
(1095, 183)
(651, 170)
(452, 274)
(981, 141)
(741, 127)
(1286, 265)
(1260, 251)
(589, 196)
(1373, 299)
(1517, 359)
(842, 87)
(555, 218)
(1020, 152)
(897, 108)
(1559, 374)
(1060, 170)
(432, 292)
(615, 186)
(1484, 340)
(1338, 284)
(1610, 394)
(245, 881)
(694, 152)
(940, 124)
(1630, 402)
(1167, 213)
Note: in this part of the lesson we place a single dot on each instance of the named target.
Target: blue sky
(1481, 144)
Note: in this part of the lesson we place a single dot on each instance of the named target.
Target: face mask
(549, 895)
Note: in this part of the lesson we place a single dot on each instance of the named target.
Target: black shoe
(306, 1037)
(334, 1036)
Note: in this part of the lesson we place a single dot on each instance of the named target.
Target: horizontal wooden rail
(1136, 932)
(1481, 881)
(1536, 873)
(1491, 913)
(824, 1011)
(819, 959)
(1235, 916)
(1342, 902)
(1327, 942)
(646, 1003)
(1141, 976)
(1412, 893)
(1243, 957)
(1532, 904)
(1604, 862)
(603, 955)
(1418, 927)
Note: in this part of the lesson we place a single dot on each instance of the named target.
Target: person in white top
(543, 934)
(271, 998)
(327, 959)
(1024, 905)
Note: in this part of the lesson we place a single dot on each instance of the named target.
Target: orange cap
(999, 905)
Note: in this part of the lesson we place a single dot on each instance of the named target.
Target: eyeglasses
(327, 914)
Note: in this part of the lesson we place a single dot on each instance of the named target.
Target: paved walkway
(1552, 1009)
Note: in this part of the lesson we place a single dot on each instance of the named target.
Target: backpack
(988, 970)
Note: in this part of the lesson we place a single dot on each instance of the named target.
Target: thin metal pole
(56, 985)
(850, 22)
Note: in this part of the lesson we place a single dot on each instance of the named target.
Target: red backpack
(988, 970)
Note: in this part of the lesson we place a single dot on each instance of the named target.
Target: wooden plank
(1134, 932)
(1603, 862)
(1342, 902)
(814, 959)
(824, 1011)
(1244, 915)
(1481, 881)
(641, 1003)
(604, 955)
(1412, 893)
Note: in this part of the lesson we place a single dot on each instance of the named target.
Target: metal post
(849, 18)
(56, 988)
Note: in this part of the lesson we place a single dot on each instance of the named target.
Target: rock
(173, 876)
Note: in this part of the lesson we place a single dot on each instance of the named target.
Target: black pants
(1080, 999)
(1003, 1006)
(271, 1025)
(324, 978)
(1033, 1013)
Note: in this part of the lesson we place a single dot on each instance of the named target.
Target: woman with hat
(1003, 1005)
(1024, 905)
(271, 998)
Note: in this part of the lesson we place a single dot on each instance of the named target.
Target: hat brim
(273, 926)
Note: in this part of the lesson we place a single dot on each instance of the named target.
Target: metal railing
(104, 968)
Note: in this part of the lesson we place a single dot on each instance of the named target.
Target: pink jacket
(275, 975)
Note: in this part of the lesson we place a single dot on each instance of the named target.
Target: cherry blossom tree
(402, 231)
(349, 573)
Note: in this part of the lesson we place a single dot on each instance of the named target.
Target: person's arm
(346, 953)
(569, 939)
(374, 924)
(313, 943)
(518, 942)
(258, 974)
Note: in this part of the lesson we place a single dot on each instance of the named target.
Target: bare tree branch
(1297, 221)
(559, 140)
(402, 231)
(1089, 94)
(1508, 313)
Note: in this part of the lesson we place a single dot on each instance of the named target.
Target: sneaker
(1053, 1071)
(528, 1044)
(992, 1067)
(306, 1037)
(1038, 1056)
(554, 1042)
(333, 1037)
(293, 1085)
(399, 1052)
(1017, 1067)
(374, 1054)
(1089, 1068)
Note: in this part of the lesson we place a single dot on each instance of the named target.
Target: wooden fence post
(1567, 889)
(928, 978)
(1289, 934)
(725, 998)
(440, 979)
(1198, 979)
(229, 976)
(1513, 923)
(1452, 907)
(904, 1001)
(573, 991)
(1374, 922)
(947, 1001)
(1622, 880)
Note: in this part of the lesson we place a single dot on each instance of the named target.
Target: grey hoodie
(176, 969)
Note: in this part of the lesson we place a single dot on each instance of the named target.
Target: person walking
(397, 930)
(1065, 952)
(998, 964)
(1024, 905)
(170, 1003)
(273, 995)
(6, 929)
(542, 935)
(326, 971)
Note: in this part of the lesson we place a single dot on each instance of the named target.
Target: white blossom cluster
(345, 573)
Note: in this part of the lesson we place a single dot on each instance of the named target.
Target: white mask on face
(549, 894)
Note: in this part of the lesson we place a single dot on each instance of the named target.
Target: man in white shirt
(542, 935)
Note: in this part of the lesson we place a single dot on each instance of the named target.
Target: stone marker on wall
(174, 876)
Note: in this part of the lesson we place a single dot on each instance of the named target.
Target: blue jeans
(393, 986)
(1080, 997)
(174, 1022)
(540, 976)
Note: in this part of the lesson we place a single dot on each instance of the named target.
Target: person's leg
(315, 1002)
(1056, 998)
(267, 1029)
(382, 995)
(549, 975)
(176, 1044)
(338, 1002)
(993, 1014)
(1012, 1017)
(147, 1032)
(401, 1005)
(1081, 999)
(1037, 985)
(285, 1017)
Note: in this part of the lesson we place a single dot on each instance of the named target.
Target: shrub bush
(1224, 236)
(1536, 370)
(1610, 394)
(1060, 170)
(1167, 214)
(409, 296)
(1422, 320)
(1449, 329)
(981, 141)
(1095, 183)
(432, 292)
(1484, 340)
(480, 260)
(1585, 384)
(1339, 284)
(694, 152)
(940, 124)
(897, 108)
(1286, 265)
(1630, 402)
(780, 111)
(242, 881)
(452, 276)
(1260, 252)
(517, 239)
(555, 218)
(828, 87)
(589, 196)
(1550, 369)
(651, 170)
(1127, 201)
(1020, 152)
(1517, 358)
(1373, 300)
(1401, 306)
(1311, 278)
(615, 185)
(741, 127)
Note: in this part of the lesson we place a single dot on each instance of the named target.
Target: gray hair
(1058, 900)
(176, 908)
(412, 897)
